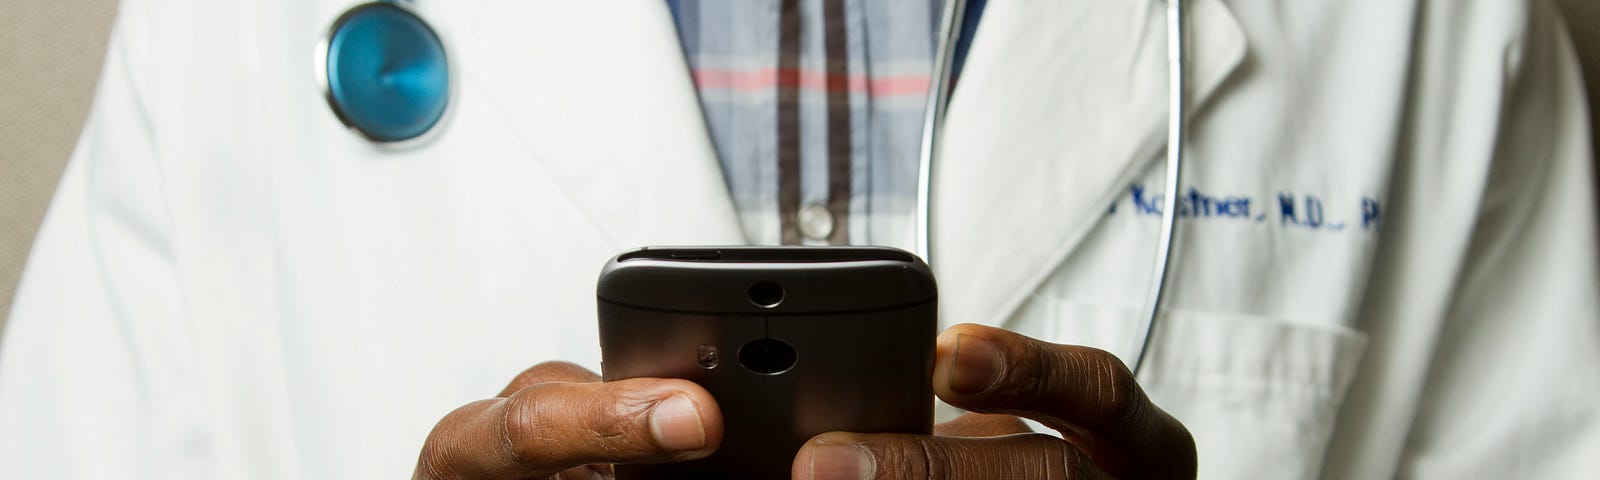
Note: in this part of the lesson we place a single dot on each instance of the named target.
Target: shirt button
(816, 222)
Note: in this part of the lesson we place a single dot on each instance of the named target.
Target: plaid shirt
(815, 110)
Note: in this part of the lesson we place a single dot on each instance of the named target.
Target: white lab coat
(231, 285)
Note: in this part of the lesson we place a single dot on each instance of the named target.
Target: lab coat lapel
(1060, 105)
(601, 98)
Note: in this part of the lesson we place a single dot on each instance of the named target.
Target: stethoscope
(385, 73)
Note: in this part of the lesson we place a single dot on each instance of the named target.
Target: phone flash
(708, 356)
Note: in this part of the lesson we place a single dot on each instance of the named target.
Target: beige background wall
(50, 53)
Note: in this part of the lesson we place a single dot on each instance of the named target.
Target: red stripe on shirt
(769, 78)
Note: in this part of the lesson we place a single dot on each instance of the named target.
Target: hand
(556, 420)
(1109, 426)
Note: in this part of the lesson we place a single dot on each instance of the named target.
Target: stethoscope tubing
(933, 123)
(1176, 130)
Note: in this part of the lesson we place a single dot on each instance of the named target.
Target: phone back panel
(861, 330)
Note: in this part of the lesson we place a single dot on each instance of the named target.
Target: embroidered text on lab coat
(1283, 209)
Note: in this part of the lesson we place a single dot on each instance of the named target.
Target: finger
(1087, 394)
(981, 425)
(554, 426)
(837, 456)
(549, 372)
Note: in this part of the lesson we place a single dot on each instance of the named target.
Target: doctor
(1386, 263)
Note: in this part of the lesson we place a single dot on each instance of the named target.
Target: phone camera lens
(766, 294)
(768, 356)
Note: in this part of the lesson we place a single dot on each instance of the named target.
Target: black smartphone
(791, 341)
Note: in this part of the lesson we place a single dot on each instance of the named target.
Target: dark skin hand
(557, 420)
(1110, 429)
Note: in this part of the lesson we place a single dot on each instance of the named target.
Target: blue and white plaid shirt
(815, 109)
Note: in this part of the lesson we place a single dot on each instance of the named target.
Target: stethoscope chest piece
(385, 73)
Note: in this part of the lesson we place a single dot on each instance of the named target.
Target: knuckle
(620, 425)
(1043, 457)
(531, 375)
(623, 428)
(1016, 456)
(936, 458)
(1115, 393)
(894, 455)
(551, 371)
(1065, 462)
(442, 456)
(538, 374)
(433, 463)
(1033, 375)
(912, 457)
(552, 424)
(524, 426)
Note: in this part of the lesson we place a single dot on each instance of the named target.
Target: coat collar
(601, 98)
(1070, 97)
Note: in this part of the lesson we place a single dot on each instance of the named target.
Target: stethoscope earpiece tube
(1176, 112)
(933, 122)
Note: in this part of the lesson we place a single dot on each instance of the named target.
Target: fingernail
(976, 365)
(841, 462)
(676, 426)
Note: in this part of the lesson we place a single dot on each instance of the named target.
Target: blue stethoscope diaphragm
(385, 73)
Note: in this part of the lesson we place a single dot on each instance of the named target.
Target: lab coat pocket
(1259, 394)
